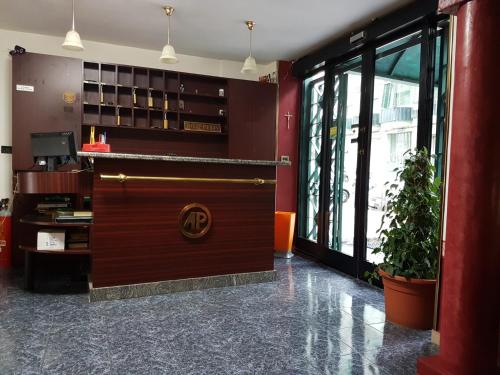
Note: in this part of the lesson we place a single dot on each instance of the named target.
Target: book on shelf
(71, 215)
(78, 245)
(77, 237)
(82, 213)
(73, 219)
(49, 205)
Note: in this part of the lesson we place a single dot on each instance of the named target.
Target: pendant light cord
(168, 31)
(73, 25)
(251, 43)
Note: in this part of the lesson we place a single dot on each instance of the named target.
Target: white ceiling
(285, 29)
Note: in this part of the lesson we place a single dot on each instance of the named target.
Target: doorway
(361, 116)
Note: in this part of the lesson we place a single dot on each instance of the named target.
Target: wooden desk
(136, 233)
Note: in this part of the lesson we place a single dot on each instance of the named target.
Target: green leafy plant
(410, 241)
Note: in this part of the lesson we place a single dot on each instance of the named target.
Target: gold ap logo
(195, 220)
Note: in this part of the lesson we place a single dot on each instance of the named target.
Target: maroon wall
(470, 303)
(288, 139)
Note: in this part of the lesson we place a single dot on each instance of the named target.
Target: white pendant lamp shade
(168, 53)
(250, 66)
(72, 41)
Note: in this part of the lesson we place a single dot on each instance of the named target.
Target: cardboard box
(50, 240)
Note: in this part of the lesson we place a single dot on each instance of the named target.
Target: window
(399, 144)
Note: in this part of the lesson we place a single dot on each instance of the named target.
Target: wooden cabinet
(142, 110)
(252, 120)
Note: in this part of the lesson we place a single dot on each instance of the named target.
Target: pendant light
(168, 54)
(250, 66)
(72, 41)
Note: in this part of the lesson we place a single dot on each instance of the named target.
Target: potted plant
(409, 243)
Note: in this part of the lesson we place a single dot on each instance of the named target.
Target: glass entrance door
(361, 116)
(343, 138)
(394, 127)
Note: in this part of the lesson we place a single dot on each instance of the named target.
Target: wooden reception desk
(163, 218)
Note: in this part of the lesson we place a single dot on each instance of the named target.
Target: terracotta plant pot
(409, 302)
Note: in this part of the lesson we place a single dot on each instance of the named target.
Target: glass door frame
(358, 265)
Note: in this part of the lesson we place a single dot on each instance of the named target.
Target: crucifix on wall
(288, 115)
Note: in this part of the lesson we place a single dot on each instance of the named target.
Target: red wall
(288, 139)
(470, 303)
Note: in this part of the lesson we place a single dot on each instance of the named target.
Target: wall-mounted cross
(288, 115)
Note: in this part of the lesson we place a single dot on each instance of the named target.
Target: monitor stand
(49, 163)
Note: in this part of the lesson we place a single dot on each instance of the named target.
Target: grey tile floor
(313, 320)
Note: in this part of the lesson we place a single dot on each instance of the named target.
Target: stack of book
(73, 217)
(77, 240)
(52, 204)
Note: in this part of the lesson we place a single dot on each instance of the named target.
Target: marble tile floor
(313, 320)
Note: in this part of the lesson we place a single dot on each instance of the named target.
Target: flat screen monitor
(53, 149)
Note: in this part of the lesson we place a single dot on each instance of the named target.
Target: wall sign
(26, 88)
(69, 97)
(195, 220)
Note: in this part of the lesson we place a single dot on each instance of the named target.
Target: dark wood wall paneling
(252, 111)
(43, 110)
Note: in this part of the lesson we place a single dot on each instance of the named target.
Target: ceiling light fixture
(168, 53)
(250, 66)
(72, 41)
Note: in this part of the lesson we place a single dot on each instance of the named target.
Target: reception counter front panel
(137, 236)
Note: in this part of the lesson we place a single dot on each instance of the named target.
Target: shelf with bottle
(141, 78)
(91, 93)
(213, 88)
(108, 95)
(108, 114)
(90, 71)
(108, 74)
(203, 95)
(90, 113)
(172, 129)
(123, 116)
(202, 114)
(156, 80)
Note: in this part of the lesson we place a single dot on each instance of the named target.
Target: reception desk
(167, 223)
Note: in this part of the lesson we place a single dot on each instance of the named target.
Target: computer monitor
(53, 149)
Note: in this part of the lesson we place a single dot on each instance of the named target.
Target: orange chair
(284, 226)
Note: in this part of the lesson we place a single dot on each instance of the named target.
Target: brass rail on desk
(122, 178)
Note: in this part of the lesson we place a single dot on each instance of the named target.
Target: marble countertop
(187, 159)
